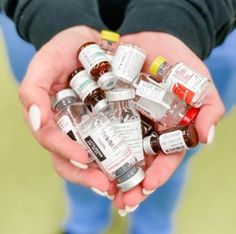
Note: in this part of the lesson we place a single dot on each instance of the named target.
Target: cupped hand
(160, 168)
(48, 73)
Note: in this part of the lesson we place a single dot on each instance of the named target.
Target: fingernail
(111, 197)
(122, 212)
(147, 192)
(78, 164)
(99, 192)
(35, 117)
(211, 134)
(131, 208)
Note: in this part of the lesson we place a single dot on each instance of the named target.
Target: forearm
(38, 21)
(199, 24)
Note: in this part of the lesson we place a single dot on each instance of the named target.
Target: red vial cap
(189, 117)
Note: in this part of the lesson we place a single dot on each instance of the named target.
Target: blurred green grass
(31, 194)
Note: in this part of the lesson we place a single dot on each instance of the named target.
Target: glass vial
(88, 90)
(69, 114)
(171, 141)
(181, 80)
(126, 120)
(159, 105)
(147, 126)
(108, 43)
(95, 62)
(127, 63)
(111, 152)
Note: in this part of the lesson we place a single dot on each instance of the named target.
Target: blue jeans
(90, 213)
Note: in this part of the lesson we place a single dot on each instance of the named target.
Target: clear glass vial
(88, 90)
(109, 40)
(69, 114)
(171, 141)
(127, 63)
(111, 152)
(95, 62)
(159, 105)
(181, 80)
(126, 119)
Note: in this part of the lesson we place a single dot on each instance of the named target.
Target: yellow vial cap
(156, 64)
(110, 36)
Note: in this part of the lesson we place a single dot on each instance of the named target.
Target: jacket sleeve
(200, 24)
(38, 20)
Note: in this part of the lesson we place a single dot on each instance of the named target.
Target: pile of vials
(119, 114)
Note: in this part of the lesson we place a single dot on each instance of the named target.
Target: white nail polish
(122, 212)
(111, 197)
(147, 192)
(211, 134)
(131, 208)
(99, 192)
(78, 164)
(35, 117)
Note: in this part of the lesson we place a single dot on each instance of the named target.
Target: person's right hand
(48, 73)
(160, 168)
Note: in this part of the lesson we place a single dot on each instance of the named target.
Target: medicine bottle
(181, 80)
(111, 152)
(171, 140)
(109, 40)
(126, 120)
(95, 62)
(127, 63)
(147, 126)
(88, 90)
(69, 114)
(159, 105)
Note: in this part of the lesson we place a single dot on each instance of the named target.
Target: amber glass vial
(95, 62)
(171, 141)
(147, 126)
(87, 90)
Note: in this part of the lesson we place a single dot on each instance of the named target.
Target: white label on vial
(172, 142)
(90, 56)
(132, 134)
(110, 149)
(83, 85)
(66, 126)
(184, 82)
(127, 63)
(152, 92)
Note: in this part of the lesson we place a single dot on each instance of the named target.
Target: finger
(113, 190)
(209, 115)
(118, 201)
(133, 197)
(160, 171)
(92, 178)
(52, 139)
(36, 87)
(129, 201)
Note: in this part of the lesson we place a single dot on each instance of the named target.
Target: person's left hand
(160, 168)
(47, 74)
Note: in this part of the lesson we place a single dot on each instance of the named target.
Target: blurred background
(32, 197)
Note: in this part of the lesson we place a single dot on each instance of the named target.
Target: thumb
(37, 106)
(36, 87)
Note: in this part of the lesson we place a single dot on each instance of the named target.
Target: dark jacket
(200, 24)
